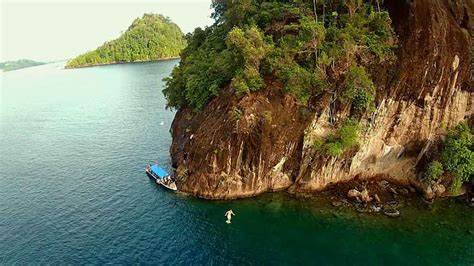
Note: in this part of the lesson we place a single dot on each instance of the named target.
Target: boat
(161, 177)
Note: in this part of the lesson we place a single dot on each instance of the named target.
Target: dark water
(74, 145)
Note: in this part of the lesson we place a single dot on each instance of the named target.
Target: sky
(61, 29)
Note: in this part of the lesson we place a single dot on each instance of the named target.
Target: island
(304, 96)
(19, 64)
(152, 37)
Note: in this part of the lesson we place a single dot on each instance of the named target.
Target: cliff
(243, 145)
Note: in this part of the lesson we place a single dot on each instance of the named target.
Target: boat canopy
(160, 172)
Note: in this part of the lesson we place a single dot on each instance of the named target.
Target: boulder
(383, 184)
(353, 193)
(376, 208)
(439, 190)
(376, 197)
(391, 213)
(429, 194)
(364, 195)
(393, 191)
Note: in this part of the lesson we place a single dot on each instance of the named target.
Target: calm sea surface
(74, 145)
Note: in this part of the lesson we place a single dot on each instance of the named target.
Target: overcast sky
(60, 29)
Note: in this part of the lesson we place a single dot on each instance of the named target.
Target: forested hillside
(152, 37)
(19, 64)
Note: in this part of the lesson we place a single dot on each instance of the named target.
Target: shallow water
(74, 145)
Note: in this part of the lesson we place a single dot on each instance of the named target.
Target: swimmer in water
(229, 214)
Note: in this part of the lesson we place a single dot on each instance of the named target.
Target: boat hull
(171, 186)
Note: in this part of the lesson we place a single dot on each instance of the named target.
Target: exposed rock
(383, 184)
(429, 194)
(392, 213)
(393, 191)
(376, 208)
(439, 189)
(364, 196)
(376, 197)
(361, 208)
(353, 193)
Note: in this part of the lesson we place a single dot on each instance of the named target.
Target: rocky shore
(380, 196)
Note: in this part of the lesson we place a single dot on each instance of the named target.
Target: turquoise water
(74, 145)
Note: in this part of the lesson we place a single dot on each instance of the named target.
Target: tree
(353, 6)
(457, 156)
(314, 9)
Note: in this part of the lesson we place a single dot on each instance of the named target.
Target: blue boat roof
(160, 172)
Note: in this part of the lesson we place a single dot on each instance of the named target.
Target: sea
(74, 145)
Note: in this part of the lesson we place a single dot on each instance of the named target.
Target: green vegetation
(345, 138)
(235, 114)
(457, 155)
(455, 159)
(253, 41)
(434, 171)
(358, 88)
(151, 37)
(19, 64)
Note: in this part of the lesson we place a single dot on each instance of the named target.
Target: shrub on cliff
(433, 171)
(344, 138)
(457, 155)
(358, 88)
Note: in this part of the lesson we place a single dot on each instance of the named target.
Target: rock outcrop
(243, 146)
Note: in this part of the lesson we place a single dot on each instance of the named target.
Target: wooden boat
(161, 177)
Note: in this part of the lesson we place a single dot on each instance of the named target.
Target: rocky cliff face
(243, 146)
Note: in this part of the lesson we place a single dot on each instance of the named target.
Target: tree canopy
(305, 47)
(151, 37)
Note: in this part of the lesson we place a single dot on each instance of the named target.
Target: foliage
(433, 171)
(235, 114)
(206, 66)
(457, 155)
(151, 37)
(346, 137)
(251, 47)
(253, 41)
(358, 87)
(318, 144)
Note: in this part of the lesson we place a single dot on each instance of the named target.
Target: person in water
(229, 214)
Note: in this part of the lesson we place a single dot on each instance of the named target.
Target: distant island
(19, 64)
(152, 37)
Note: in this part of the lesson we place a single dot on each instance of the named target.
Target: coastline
(376, 196)
(119, 63)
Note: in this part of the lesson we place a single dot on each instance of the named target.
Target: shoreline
(120, 63)
(377, 196)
